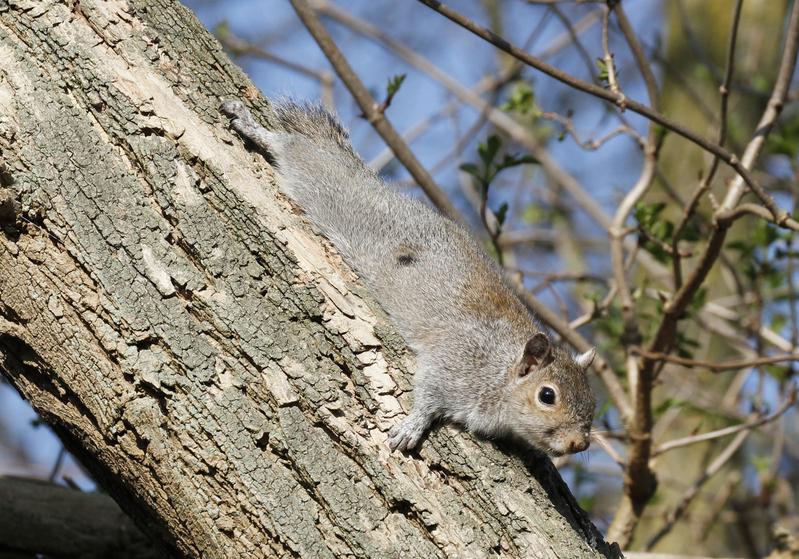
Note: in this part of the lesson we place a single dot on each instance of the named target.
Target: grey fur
(443, 293)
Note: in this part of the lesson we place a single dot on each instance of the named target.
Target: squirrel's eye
(546, 396)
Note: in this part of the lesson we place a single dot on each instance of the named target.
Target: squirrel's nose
(577, 443)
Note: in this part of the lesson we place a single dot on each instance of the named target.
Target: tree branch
(704, 184)
(693, 491)
(717, 367)
(618, 99)
(755, 423)
(370, 110)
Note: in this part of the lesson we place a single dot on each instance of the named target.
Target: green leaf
(470, 168)
(699, 299)
(603, 70)
(778, 322)
(488, 149)
(502, 213)
(762, 464)
(534, 213)
(691, 232)
(666, 405)
(661, 132)
(222, 30)
(603, 409)
(394, 84)
(587, 502)
(512, 160)
(741, 246)
(778, 372)
(656, 251)
(662, 230)
(647, 214)
(522, 100)
(774, 276)
(684, 345)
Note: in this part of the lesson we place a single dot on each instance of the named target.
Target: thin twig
(575, 39)
(638, 53)
(610, 67)
(773, 109)
(753, 209)
(623, 101)
(593, 143)
(577, 277)
(59, 461)
(597, 310)
(673, 309)
(501, 120)
(718, 433)
(717, 367)
(691, 493)
(608, 448)
(639, 484)
(704, 184)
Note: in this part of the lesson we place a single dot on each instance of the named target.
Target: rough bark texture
(210, 359)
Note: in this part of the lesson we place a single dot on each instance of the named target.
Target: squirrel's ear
(536, 351)
(584, 360)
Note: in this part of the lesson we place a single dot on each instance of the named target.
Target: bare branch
(608, 448)
(501, 120)
(370, 109)
(718, 433)
(717, 367)
(704, 184)
(638, 53)
(753, 209)
(624, 102)
(692, 492)
(676, 306)
(769, 118)
(42, 518)
(610, 67)
(590, 144)
(575, 39)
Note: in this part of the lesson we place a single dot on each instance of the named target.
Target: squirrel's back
(418, 262)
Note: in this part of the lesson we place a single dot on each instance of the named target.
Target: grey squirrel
(483, 359)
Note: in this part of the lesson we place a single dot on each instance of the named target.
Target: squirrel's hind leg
(245, 125)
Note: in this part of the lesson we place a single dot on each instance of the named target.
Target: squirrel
(483, 359)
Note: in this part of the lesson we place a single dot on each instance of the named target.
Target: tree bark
(212, 362)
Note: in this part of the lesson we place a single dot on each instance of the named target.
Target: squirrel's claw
(406, 435)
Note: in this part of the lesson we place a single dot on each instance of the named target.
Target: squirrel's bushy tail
(364, 217)
(311, 121)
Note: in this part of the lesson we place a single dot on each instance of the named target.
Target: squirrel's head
(550, 402)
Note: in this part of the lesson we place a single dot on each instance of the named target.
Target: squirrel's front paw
(406, 435)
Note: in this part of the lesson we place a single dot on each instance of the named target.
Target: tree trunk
(212, 362)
